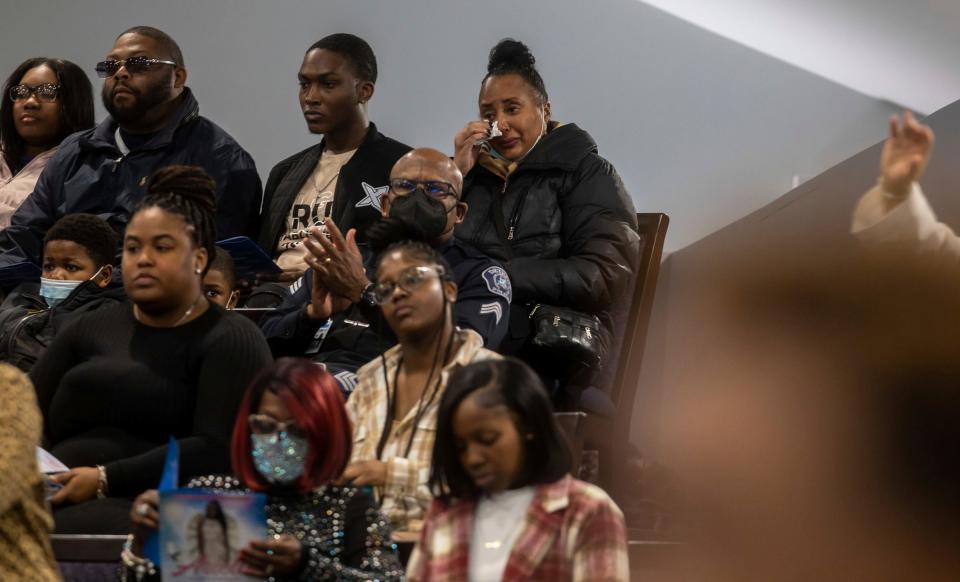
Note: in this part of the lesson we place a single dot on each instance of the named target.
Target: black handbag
(567, 338)
(566, 334)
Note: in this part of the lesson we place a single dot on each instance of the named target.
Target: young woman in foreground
(506, 506)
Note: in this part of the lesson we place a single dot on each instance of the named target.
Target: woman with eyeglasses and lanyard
(547, 206)
(394, 406)
(118, 382)
(44, 100)
(291, 440)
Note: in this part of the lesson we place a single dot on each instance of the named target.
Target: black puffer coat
(573, 227)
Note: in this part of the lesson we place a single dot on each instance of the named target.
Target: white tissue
(493, 132)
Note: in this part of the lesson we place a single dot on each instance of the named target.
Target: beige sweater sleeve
(25, 522)
(882, 219)
(19, 436)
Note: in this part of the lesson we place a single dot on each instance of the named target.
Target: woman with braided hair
(394, 406)
(118, 382)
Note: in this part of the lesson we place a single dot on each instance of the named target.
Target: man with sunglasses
(154, 122)
(345, 175)
(332, 314)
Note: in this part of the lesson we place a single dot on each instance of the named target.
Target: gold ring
(327, 260)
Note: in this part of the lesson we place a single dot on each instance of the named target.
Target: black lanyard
(421, 407)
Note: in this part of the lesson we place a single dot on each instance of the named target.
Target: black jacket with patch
(356, 203)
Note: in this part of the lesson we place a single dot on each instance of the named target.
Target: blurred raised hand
(906, 154)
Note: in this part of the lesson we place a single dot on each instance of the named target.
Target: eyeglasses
(46, 92)
(263, 424)
(133, 65)
(434, 188)
(409, 280)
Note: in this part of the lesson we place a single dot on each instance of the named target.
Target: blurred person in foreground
(25, 522)
(820, 437)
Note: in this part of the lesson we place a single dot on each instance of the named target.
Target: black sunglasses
(133, 65)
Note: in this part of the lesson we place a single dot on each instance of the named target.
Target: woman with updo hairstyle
(543, 202)
(117, 383)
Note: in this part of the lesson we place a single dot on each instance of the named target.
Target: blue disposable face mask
(54, 291)
(279, 457)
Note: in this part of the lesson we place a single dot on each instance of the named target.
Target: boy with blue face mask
(76, 250)
(78, 256)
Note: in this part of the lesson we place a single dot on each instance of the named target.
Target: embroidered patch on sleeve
(498, 282)
(492, 309)
(346, 380)
(296, 285)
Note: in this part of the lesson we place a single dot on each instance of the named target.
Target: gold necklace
(136, 311)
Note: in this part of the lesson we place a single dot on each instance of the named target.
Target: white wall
(699, 127)
(905, 52)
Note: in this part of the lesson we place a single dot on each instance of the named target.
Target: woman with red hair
(291, 441)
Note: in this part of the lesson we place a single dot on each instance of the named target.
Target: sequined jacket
(344, 536)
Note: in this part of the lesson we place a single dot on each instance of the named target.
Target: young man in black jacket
(154, 122)
(346, 174)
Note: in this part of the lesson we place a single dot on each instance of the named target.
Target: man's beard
(143, 101)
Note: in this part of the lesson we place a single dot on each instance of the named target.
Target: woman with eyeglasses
(394, 406)
(291, 440)
(118, 382)
(44, 101)
(545, 204)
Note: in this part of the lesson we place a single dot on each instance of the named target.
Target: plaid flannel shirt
(405, 495)
(572, 531)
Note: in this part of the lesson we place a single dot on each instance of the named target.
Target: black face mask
(424, 212)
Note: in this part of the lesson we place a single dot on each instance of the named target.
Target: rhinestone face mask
(279, 457)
